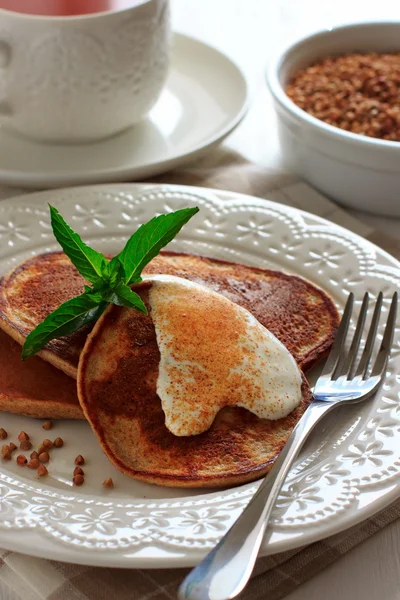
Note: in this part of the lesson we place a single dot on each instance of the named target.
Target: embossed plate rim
(165, 537)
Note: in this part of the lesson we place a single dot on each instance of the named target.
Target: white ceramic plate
(349, 468)
(204, 99)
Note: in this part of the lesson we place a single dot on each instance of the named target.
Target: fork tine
(346, 364)
(362, 368)
(384, 350)
(340, 338)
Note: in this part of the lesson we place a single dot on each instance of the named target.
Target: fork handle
(225, 570)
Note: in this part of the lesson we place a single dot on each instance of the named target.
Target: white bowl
(357, 171)
(84, 78)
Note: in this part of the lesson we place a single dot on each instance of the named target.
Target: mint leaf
(122, 295)
(148, 240)
(117, 272)
(96, 297)
(110, 279)
(113, 266)
(66, 319)
(89, 263)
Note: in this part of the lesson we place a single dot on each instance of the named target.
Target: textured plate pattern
(349, 469)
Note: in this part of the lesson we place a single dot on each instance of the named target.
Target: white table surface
(247, 30)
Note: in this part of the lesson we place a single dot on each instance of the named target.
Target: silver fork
(225, 571)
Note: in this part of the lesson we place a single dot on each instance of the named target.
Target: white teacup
(78, 79)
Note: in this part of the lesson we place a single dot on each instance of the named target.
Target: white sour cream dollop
(214, 353)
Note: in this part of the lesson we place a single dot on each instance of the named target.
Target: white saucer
(204, 99)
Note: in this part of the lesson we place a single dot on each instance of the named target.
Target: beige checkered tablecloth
(274, 576)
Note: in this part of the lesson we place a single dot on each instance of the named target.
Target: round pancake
(34, 387)
(117, 380)
(33, 290)
(302, 316)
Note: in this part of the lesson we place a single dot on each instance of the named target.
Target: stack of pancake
(124, 409)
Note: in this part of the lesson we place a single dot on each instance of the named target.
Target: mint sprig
(147, 242)
(110, 279)
(89, 263)
(122, 295)
(66, 319)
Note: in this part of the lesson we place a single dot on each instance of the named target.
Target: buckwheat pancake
(302, 316)
(117, 388)
(34, 387)
(33, 290)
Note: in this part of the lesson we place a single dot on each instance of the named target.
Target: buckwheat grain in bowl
(358, 92)
(337, 102)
